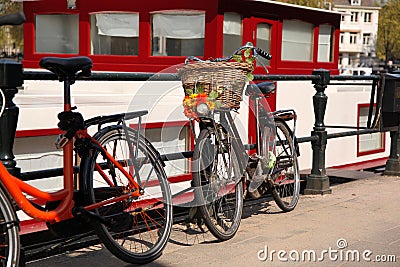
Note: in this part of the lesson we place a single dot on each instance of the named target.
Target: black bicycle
(222, 169)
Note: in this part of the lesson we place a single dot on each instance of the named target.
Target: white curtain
(179, 26)
(232, 23)
(122, 25)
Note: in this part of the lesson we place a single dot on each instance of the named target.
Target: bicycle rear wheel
(219, 197)
(285, 176)
(9, 233)
(135, 230)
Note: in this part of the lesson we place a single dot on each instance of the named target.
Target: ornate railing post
(318, 181)
(391, 118)
(393, 162)
(10, 78)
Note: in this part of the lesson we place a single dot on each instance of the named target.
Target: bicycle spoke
(222, 206)
(286, 175)
(138, 227)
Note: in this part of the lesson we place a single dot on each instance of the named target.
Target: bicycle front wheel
(136, 230)
(285, 176)
(9, 233)
(219, 196)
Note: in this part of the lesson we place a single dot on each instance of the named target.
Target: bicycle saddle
(66, 68)
(264, 88)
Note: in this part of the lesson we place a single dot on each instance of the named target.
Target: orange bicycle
(122, 191)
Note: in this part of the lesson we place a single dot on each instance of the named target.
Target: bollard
(318, 181)
(10, 78)
(393, 162)
(390, 119)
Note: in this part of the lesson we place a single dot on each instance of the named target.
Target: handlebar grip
(12, 19)
(264, 54)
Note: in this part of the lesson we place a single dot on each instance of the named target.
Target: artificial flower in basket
(215, 84)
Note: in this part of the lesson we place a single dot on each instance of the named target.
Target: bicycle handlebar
(262, 53)
(12, 19)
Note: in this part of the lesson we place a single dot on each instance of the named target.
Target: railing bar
(307, 139)
(354, 77)
(370, 84)
(350, 133)
(136, 76)
(48, 173)
(345, 127)
(286, 77)
(41, 174)
(178, 155)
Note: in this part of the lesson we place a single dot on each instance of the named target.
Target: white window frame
(353, 38)
(368, 17)
(366, 38)
(354, 16)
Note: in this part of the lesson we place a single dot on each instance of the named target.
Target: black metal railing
(12, 76)
(317, 181)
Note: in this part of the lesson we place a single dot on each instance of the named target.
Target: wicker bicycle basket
(226, 78)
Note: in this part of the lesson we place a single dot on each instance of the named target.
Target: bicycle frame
(17, 188)
(227, 122)
(265, 119)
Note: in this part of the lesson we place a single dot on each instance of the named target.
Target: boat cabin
(148, 36)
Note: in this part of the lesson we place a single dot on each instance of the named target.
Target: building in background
(358, 33)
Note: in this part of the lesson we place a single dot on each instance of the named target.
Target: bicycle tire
(221, 213)
(141, 227)
(285, 178)
(9, 236)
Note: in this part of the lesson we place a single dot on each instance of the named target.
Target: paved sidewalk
(360, 218)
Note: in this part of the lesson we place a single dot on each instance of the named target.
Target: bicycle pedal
(80, 211)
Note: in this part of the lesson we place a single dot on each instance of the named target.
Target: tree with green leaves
(388, 41)
(11, 36)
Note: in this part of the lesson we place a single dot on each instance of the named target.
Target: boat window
(51, 35)
(263, 40)
(179, 33)
(325, 43)
(114, 33)
(169, 140)
(297, 40)
(232, 32)
(368, 143)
